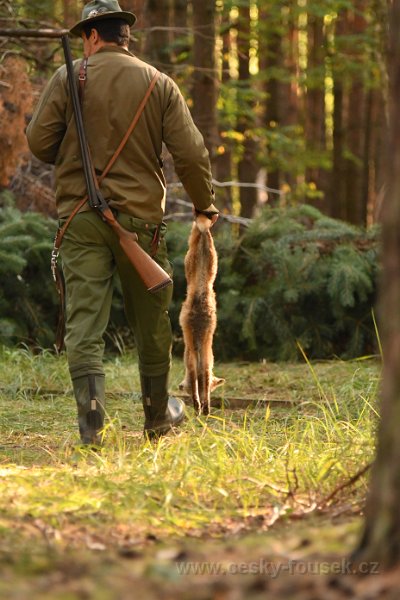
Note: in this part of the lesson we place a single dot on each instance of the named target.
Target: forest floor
(255, 501)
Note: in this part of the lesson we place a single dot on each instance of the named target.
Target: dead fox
(198, 316)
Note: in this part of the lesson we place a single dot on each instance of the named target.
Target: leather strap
(155, 242)
(61, 230)
(132, 125)
(82, 78)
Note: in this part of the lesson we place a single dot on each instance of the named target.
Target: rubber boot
(90, 400)
(162, 412)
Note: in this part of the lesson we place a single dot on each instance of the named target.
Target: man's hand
(212, 213)
(214, 218)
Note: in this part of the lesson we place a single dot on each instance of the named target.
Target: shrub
(299, 277)
(28, 301)
(294, 277)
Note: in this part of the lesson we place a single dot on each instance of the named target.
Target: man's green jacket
(116, 83)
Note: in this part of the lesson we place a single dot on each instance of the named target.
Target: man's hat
(97, 10)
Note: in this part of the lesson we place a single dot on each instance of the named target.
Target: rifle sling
(58, 279)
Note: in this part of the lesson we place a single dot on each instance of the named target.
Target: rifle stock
(153, 276)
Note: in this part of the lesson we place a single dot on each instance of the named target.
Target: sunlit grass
(232, 465)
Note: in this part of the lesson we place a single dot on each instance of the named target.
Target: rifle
(152, 275)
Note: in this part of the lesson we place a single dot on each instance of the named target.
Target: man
(115, 84)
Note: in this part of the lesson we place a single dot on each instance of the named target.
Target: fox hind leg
(191, 379)
(205, 369)
(205, 390)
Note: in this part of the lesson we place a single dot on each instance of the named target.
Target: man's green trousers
(91, 255)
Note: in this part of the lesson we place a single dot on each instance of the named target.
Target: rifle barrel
(86, 163)
(33, 33)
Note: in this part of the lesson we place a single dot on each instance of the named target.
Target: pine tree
(28, 304)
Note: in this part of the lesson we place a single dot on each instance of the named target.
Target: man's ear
(94, 34)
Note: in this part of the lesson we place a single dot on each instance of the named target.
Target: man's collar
(112, 48)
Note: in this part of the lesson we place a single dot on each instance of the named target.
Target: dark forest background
(291, 98)
(289, 94)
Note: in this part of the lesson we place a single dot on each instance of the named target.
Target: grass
(116, 523)
(233, 465)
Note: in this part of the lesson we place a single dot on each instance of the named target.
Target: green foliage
(303, 279)
(28, 304)
(293, 277)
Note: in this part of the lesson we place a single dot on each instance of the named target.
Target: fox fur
(198, 316)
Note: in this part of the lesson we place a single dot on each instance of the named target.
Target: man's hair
(116, 31)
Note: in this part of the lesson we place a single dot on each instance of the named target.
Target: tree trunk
(379, 117)
(379, 135)
(248, 166)
(157, 46)
(137, 35)
(356, 205)
(356, 128)
(337, 200)
(223, 162)
(204, 91)
(271, 62)
(315, 100)
(381, 538)
(135, 6)
(68, 20)
(289, 97)
(180, 34)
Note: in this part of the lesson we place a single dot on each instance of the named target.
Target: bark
(205, 82)
(271, 60)
(135, 6)
(157, 46)
(68, 21)
(137, 35)
(180, 33)
(357, 127)
(223, 162)
(16, 97)
(288, 95)
(337, 199)
(379, 133)
(248, 166)
(289, 98)
(356, 204)
(315, 98)
(379, 117)
(381, 538)
(180, 13)
(71, 12)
